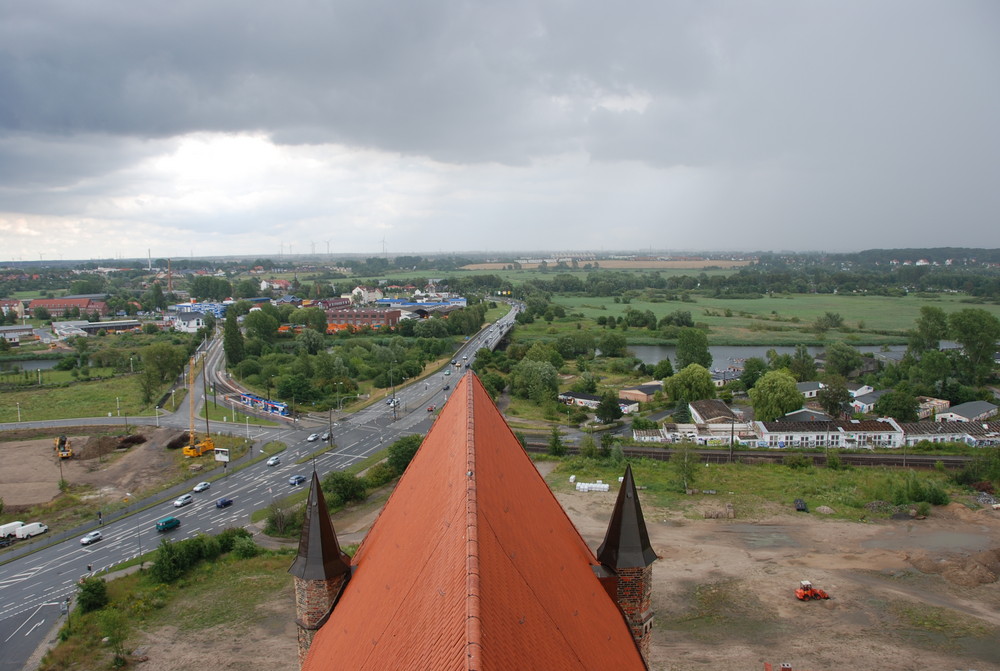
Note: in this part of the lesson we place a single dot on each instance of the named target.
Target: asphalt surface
(38, 576)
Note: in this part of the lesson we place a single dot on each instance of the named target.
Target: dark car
(223, 503)
(168, 523)
(296, 480)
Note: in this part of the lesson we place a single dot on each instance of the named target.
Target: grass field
(119, 396)
(754, 485)
(778, 320)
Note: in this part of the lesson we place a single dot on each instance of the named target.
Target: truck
(195, 449)
(63, 447)
(9, 530)
(32, 529)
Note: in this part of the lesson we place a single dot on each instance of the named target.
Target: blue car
(223, 503)
(296, 480)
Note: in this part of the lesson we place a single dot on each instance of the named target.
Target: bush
(93, 594)
(402, 451)
(245, 548)
(378, 475)
(228, 537)
(343, 487)
(834, 463)
(797, 461)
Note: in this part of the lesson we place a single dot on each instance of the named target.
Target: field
(779, 320)
(621, 264)
(906, 594)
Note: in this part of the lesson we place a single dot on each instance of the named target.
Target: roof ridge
(473, 616)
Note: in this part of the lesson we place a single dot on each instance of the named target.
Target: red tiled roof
(473, 564)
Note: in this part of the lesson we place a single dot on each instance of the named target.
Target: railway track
(776, 456)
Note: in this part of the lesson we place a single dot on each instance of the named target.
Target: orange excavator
(806, 592)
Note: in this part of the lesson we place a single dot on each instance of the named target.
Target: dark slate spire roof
(319, 557)
(626, 544)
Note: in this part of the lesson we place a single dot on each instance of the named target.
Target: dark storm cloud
(760, 118)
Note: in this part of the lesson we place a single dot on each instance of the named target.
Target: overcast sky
(243, 127)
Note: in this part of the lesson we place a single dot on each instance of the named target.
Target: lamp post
(118, 406)
(173, 403)
(18, 412)
(157, 411)
(131, 368)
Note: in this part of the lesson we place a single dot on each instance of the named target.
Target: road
(35, 584)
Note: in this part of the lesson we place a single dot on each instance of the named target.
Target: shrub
(245, 548)
(797, 461)
(343, 487)
(93, 594)
(834, 463)
(402, 452)
(228, 537)
(378, 475)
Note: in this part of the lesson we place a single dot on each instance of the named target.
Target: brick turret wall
(314, 601)
(634, 597)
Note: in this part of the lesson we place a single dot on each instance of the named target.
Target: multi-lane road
(34, 585)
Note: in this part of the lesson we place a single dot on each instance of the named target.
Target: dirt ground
(906, 594)
(31, 471)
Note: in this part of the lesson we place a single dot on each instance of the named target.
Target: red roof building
(473, 564)
(59, 307)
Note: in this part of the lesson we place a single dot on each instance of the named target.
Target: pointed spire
(320, 557)
(626, 543)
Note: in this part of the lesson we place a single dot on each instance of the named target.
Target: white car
(273, 461)
(183, 500)
(313, 437)
(202, 486)
(92, 537)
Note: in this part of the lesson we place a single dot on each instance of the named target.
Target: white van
(29, 530)
(8, 530)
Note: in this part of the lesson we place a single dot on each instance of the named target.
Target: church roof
(473, 564)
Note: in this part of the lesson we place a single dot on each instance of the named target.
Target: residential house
(8, 305)
(805, 415)
(472, 564)
(189, 322)
(275, 285)
(15, 334)
(856, 389)
(883, 432)
(973, 411)
(358, 317)
(362, 294)
(720, 378)
(809, 389)
(865, 403)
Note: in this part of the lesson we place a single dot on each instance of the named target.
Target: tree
(92, 594)
(537, 380)
(310, 341)
(402, 451)
(232, 340)
(42, 313)
(753, 369)
(609, 410)
(841, 359)
(612, 345)
(345, 487)
(899, 405)
(694, 383)
(977, 331)
(663, 370)
(775, 395)
(930, 328)
(803, 366)
(692, 347)
(116, 627)
(684, 462)
(259, 324)
(556, 447)
(833, 397)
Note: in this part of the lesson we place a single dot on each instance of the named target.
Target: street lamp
(173, 403)
(18, 412)
(157, 411)
(118, 405)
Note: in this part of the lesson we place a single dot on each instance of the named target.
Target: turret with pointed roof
(628, 557)
(321, 569)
